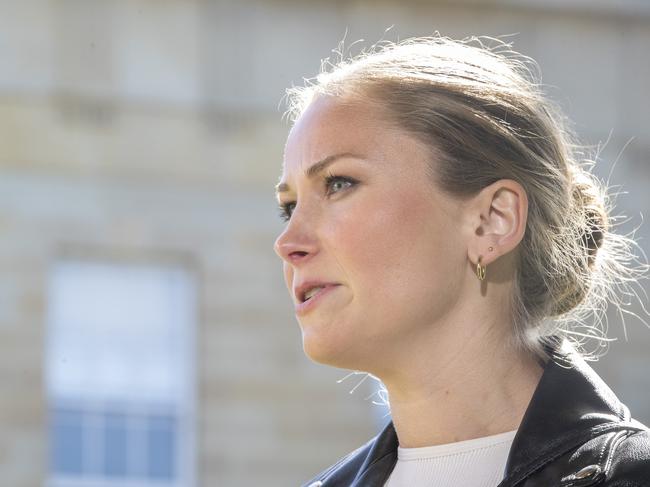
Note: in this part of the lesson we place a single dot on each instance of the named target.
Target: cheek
(385, 247)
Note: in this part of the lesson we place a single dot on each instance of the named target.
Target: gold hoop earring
(480, 270)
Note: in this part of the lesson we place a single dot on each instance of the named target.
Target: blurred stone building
(146, 337)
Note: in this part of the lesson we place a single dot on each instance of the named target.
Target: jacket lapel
(381, 459)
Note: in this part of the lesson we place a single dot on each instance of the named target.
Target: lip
(306, 306)
(306, 285)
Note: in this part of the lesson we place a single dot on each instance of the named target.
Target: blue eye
(286, 209)
(332, 179)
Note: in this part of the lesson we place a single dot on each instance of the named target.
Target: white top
(479, 462)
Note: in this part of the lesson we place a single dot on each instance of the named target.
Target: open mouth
(311, 293)
(312, 296)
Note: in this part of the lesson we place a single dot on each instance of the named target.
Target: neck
(465, 387)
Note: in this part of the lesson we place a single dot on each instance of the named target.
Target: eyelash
(285, 212)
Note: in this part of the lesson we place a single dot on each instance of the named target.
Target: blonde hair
(482, 112)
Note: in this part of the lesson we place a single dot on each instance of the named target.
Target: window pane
(67, 441)
(161, 439)
(108, 320)
(115, 445)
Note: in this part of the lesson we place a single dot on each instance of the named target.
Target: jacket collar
(570, 404)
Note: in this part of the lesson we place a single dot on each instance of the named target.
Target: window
(120, 375)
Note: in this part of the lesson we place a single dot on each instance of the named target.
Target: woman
(443, 236)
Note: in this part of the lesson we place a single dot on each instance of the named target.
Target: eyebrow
(316, 168)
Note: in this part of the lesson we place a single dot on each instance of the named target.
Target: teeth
(312, 291)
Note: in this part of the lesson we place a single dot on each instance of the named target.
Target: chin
(319, 352)
(331, 353)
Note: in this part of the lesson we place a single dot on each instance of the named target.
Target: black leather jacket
(574, 433)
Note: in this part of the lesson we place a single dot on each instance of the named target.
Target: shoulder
(630, 463)
(616, 457)
(619, 458)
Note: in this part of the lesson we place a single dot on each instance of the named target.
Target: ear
(498, 215)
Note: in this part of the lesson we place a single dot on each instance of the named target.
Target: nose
(297, 243)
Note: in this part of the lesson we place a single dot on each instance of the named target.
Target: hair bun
(589, 220)
(588, 199)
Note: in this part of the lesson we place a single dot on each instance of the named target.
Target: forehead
(331, 126)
